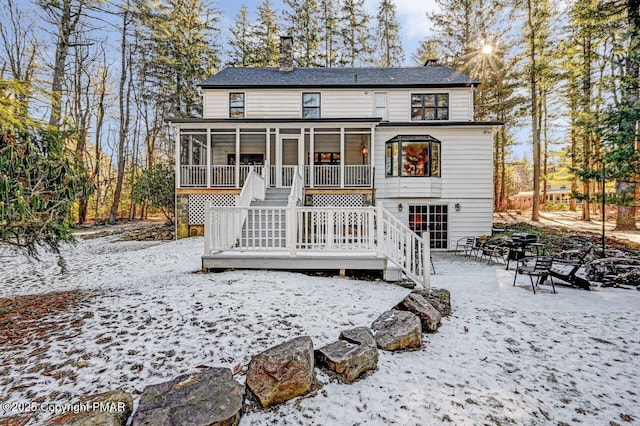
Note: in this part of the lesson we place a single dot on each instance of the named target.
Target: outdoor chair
(538, 266)
(465, 244)
(566, 269)
(495, 252)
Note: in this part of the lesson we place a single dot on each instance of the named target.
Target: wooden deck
(295, 237)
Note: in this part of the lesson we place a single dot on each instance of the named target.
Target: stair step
(269, 203)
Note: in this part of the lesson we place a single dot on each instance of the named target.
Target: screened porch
(222, 157)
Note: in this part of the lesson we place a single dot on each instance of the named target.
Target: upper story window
(429, 106)
(236, 105)
(412, 156)
(311, 105)
(380, 105)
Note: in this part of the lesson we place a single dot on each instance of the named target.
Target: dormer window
(311, 105)
(236, 105)
(429, 106)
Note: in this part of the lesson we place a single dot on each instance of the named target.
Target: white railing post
(291, 229)
(380, 230)
(426, 262)
(208, 229)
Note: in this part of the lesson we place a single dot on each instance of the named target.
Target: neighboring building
(560, 194)
(402, 138)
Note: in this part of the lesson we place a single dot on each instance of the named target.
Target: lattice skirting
(338, 200)
(197, 203)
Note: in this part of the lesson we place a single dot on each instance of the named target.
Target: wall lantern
(364, 151)
(399, 207)
(457, 207)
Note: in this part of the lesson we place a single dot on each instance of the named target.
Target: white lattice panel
(338, 200)
(198, 201)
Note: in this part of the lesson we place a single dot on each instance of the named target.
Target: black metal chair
(465, 244)
(539, 266)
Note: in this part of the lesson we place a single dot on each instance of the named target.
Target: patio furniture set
(530, 258)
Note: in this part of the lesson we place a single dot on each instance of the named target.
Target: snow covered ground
(505, 356)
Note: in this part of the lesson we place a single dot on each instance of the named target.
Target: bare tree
(124, 114)
(20, 47)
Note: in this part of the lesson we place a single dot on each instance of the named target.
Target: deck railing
(223, 225)
(299, 229)
(358, 176)
(223, 176)
(193, 176)
(327, 176)
(409, 251)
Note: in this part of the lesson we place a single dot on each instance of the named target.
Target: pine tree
(242, 45)
(267, 36)
(472, 37)
(303, 19)
(388, 35)
(181, 50)
(330, 32)
(356, 38)
(621, 120)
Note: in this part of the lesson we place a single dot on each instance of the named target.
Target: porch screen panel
(193, 158)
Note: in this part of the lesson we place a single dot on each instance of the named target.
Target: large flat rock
(347, 360)
(207, 398)
(358, 336)
(418, 305)
(397, 331)
(439, 298)
(282, 372)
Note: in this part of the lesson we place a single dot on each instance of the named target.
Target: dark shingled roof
(427, 76)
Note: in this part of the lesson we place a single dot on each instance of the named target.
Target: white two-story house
(400, 139)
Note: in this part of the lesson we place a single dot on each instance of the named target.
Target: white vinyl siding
(349, 103)
(467, 163)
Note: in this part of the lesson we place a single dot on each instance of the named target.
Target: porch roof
(309, 121)
(428, 76)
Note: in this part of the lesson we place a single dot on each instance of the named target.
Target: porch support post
(208, 231)
(426, 261)
(291, 229)
(237, 168)
(278, 159)
(341, 157)
(178, 166)
(208, 162)
(312, 150)
(379, 230)
(267, 160)
(372, 155)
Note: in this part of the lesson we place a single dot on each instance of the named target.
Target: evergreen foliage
(356, 34)
(303, 18)
(388, 35)
(181, 50)
(39, 181)
(155, 187)
(242, 49)
(267, 36)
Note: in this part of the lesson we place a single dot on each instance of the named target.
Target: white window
(380, 105)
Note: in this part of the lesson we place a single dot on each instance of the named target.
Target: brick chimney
(286, 54)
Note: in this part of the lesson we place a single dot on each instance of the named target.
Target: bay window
(412, 156)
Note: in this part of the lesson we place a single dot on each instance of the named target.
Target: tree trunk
(626, 220)
(66, 26)
(533, 87)
(124, 119)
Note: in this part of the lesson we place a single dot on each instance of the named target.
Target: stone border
(277, 375)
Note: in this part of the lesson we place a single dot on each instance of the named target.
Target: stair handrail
(223, 225)
(404, 247)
